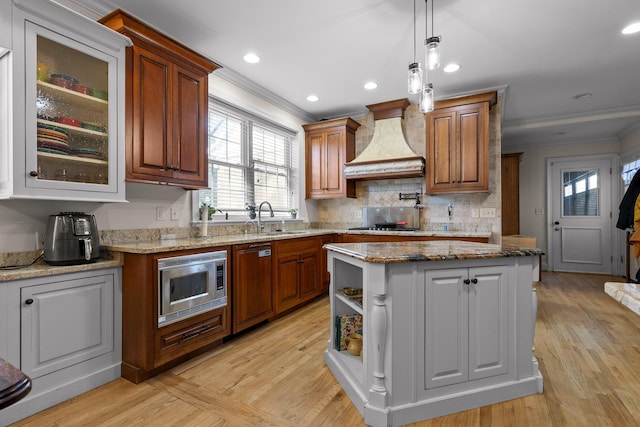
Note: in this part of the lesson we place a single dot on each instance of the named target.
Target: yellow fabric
(635, 242)
(636, 214)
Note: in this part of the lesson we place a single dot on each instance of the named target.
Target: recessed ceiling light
(370, 85)
(451, 68)
(582, 95)
(251, 58)
(631, 29)
(312, 98)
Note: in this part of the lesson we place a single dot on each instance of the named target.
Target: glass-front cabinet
(68, 127)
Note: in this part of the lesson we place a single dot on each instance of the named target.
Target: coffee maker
(71, 238)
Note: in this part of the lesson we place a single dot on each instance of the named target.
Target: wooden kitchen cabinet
(147, 348)
(457, 134)
(166, 106)
(329, 145)
(252, 285)
(296, 272)
(510, 194)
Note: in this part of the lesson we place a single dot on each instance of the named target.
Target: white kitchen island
(447, 326)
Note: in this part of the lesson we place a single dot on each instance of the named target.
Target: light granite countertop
(167, 245)
(112, 252)
(414, 251)
(41, 268)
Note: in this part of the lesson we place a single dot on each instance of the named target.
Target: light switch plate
(161, 213)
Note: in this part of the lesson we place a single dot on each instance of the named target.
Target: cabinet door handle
(29, 301)
(474, 281)
(466, 281)
(33, 173)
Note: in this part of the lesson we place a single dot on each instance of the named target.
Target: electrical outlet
(161, 213)
(357, 214)
(174, 214)
(487, 212)
(539, 211)
(475, 213)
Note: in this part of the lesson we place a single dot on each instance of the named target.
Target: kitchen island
(447, 326)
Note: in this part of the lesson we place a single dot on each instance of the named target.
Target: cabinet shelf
(78, 98)
(66, 158)
(352, 363)
(349, 302)
(76, 129)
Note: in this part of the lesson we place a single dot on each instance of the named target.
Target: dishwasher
(252, 285)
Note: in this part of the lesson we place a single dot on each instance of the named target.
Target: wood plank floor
(588, 346)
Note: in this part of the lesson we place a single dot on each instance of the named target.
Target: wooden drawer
(296, 246)
(185, 336)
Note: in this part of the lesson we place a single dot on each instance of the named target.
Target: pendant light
(415, 71)
(431, 44)
(427, 98)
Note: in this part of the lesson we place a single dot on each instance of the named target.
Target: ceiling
(539, 54)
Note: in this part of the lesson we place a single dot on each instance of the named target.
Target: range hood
(388, 155)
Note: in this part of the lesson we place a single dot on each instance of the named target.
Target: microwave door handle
(87, 249)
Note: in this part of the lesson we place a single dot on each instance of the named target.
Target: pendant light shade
(415, 78)
(427, 98)
(432, 52)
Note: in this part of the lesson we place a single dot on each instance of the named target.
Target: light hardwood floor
(587, 345)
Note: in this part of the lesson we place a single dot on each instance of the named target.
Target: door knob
(556, 223)
(466, 281)
(29, 301)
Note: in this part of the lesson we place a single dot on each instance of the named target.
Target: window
(581, 193)
(250, 160)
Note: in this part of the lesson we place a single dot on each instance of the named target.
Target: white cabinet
(439, 336)
(67, 104)
(5, 26)
(63, 331)
(466, 329)
(64, 323)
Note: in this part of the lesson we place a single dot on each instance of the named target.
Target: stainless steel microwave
(191, 284)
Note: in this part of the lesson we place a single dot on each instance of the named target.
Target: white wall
(630, 141)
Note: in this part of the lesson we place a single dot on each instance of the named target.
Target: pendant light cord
(414, 30)
(432, 28)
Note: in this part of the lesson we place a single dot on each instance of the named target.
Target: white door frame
(617, 267)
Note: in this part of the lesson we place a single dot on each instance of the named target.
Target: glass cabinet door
(68, 115)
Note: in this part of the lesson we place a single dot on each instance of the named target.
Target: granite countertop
(386, 253)
(41, 268)
(167, 245)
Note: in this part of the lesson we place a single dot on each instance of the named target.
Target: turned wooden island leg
(378, 391)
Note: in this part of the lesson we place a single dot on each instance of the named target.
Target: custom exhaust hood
(388, 155)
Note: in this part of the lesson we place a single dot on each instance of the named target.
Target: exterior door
(581, 220)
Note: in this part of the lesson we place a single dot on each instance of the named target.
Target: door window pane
(581, 193)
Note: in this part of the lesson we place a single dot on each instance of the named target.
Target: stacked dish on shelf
(87, 153)
(71, 83)
(53, 139)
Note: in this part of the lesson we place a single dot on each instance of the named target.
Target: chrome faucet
(260, 224)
